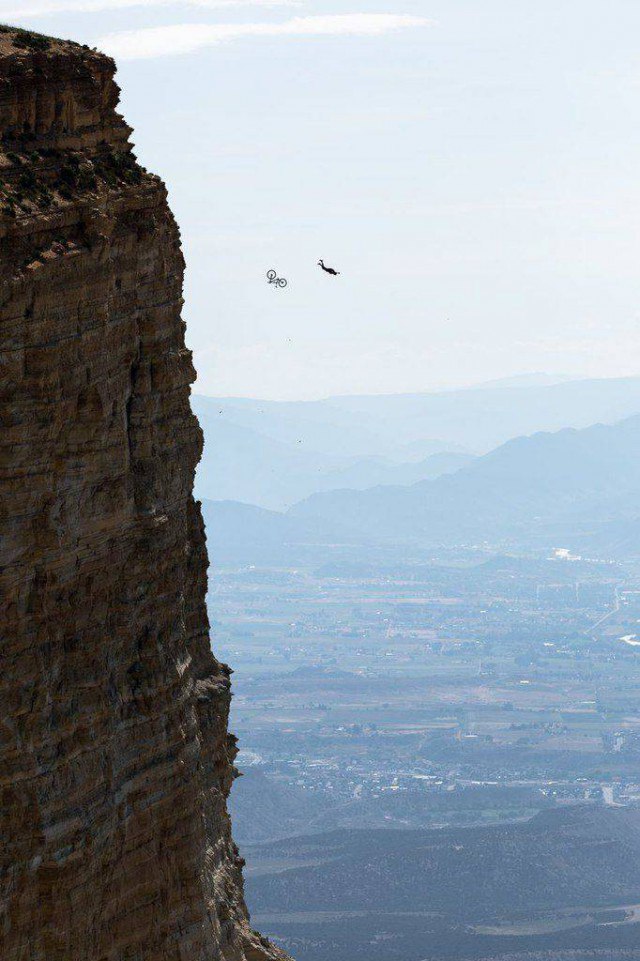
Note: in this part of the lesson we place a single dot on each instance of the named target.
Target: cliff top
(17, 44)
(62, 139)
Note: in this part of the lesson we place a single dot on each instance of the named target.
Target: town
(469, 688)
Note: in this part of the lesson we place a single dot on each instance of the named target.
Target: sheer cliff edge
(115, 761)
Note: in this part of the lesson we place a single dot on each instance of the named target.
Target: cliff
(115, 761)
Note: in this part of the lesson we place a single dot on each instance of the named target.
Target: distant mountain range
(241, 464)
(569, 484)
(243, 534)
(274, 454)
(573, 488)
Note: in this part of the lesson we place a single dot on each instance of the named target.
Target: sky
(472, 167)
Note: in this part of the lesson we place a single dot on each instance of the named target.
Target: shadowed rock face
(115, 761)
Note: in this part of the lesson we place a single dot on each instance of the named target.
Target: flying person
(328, 270)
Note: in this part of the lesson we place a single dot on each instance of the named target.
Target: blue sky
(472, 168)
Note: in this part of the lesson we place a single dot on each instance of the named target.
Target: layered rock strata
(115, 761)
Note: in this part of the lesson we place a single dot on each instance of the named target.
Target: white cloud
(9, 10)
(183, 38)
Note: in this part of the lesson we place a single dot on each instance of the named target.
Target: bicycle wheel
(271, 276)
(282, 282)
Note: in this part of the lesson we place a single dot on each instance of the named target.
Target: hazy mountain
(481, 418)
(242, 534)
(373, 471)
(569, 483)
(274, 454)
(558, 883)
(476, 419)
(534, 379)
(239, 463)
(584, 855)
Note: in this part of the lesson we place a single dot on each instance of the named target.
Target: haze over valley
(436, 678)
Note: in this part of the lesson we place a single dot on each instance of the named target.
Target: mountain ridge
(527, 483)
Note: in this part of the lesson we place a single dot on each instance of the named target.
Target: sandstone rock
(115, 761)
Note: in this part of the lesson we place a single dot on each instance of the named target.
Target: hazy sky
(471, 166)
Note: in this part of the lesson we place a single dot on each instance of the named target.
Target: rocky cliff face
(115, 761)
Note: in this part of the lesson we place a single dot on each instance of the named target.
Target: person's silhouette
(328, 270)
